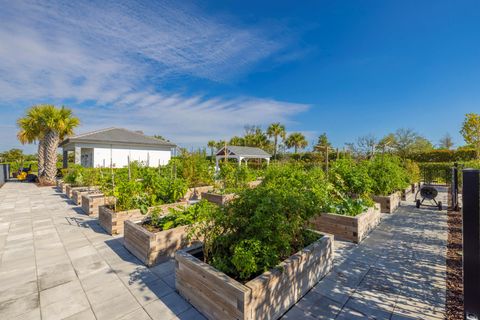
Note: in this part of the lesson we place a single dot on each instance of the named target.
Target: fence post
(471, 243)
(454, 187)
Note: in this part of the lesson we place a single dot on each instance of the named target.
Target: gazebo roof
(244, 152)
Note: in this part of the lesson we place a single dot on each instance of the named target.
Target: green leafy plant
(181, 216)
(351, 177)
(263, 225)
(388, 175)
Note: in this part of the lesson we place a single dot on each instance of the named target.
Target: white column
(78, 155)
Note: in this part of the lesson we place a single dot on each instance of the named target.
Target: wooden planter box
(153, 248)
(63, 187)
(409, 193)
(388, 204)
(348, 228)
(77, 194)
(199, 190)
(268, 296)
(113, 222)
(69, 190)
(219, 199)
(91, 202)
(254, 184)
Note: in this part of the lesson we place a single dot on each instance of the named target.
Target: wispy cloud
(110, 54)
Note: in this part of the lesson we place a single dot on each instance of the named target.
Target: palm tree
(276, 130)
(296, 140)
(59, 124)
(51, 125)
(212, 144)
(31, 131)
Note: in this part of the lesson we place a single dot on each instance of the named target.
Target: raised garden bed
(198, 190)
(63, 186)
(388, 204)
(153, 247)
(78, 193)
(217, 198)
(69, 190)
(409, 193)
(350, 228)
(267, 296)
(92, 201)
(113, 222)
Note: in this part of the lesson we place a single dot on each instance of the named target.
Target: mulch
(454, 302)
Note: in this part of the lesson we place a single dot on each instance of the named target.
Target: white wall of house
(120, 155)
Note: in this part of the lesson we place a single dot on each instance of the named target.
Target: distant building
(115, 147)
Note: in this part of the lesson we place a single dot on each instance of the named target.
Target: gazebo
(241, 154)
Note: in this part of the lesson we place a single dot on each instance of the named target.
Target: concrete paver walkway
(57, 263)
(398, 272)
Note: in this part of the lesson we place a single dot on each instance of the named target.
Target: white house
(115, 147)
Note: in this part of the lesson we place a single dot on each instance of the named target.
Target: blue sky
(199, 70)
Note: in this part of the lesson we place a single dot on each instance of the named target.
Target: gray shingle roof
(248, 152)
(117, 135)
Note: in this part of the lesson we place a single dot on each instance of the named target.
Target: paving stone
(54, 275)
(86, 314)
(296, 313)
(116, 307)
(139, 314)
(148, 292)
(63, 301)
(20, 306)
(320, 306)
(167, 307)
(191, 314)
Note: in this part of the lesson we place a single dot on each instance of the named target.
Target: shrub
(264, 225)
(413, 171)
(350, 177)
(235, 177)
(141, 187)
(194, 168)
(459, 155)
(182, 217)
(388, 175)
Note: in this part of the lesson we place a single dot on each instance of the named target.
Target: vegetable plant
(264, 225)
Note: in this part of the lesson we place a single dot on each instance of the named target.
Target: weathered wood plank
(268, 296)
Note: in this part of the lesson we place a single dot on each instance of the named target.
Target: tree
(32, 130)
(404, 142)
(367, 145)
(12, 155)
(322, 142)
(471, 131)
(446, 142)
(276, 130)
(212, 144)
(237, 141)
(54, 124)
(296, 140)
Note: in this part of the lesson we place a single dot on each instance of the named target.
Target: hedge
(441, 172)
(444, 156)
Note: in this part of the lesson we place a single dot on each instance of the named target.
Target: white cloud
(108, 52)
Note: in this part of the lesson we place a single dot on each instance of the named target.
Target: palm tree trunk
(295, 147)
(275, 148)
(52, 139)
(41, 157)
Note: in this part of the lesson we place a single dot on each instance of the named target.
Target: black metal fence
(471, 243)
